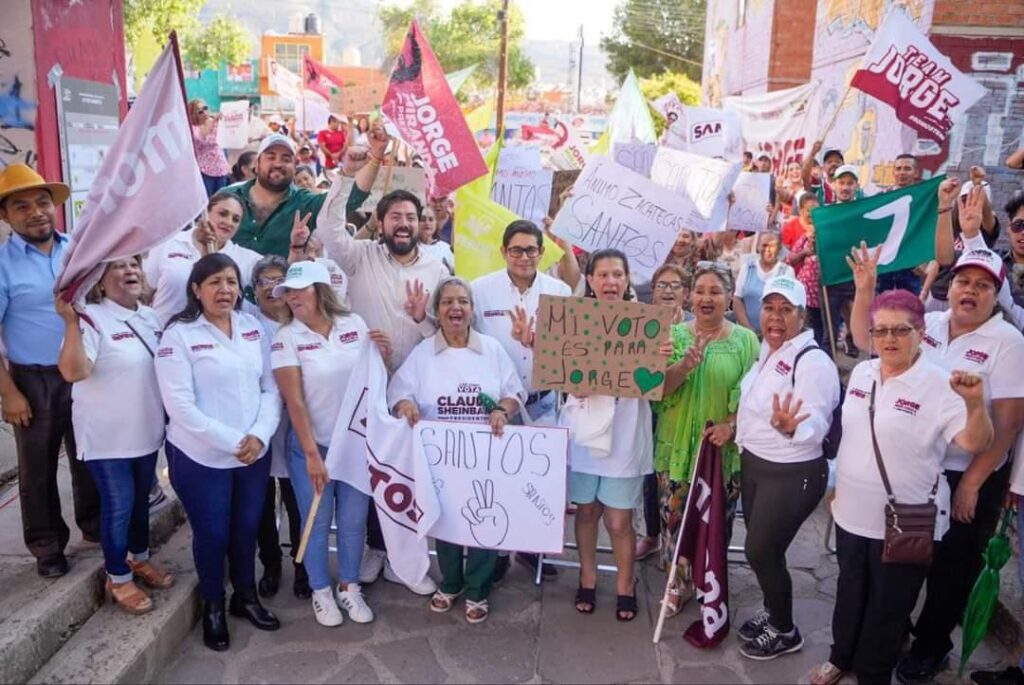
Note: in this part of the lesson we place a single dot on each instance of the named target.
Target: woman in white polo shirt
(118, 420)
(971, 335)
(313, 356)
(784, 416)
(213, 367)
(919, 410)
(444, 379)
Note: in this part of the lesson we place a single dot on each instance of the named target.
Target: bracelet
(943, 210)
(501, 409)
(374, 158)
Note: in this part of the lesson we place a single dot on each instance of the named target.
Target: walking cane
(675, 555)
(308, 528)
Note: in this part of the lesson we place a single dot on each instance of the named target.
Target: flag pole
(839, 107)
(502, 62)
(308, 529)
(828, 320)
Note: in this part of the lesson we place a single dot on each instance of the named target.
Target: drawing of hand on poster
(702, 182)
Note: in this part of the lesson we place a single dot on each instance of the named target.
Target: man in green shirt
(270, 200)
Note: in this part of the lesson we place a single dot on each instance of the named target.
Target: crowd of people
(231, 347)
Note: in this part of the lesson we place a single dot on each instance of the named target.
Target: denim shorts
(617, 493)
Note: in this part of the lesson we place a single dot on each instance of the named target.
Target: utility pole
(579, 79)
(502, 65)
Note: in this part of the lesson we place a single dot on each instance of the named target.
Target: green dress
(710, 393)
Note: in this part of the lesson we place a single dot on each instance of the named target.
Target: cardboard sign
(612, 206)
(636, 156)
(560, 180)
(751, 193)
(591, 347)
(396, 178)
(702, 183)
(233, 128)
(498, 493)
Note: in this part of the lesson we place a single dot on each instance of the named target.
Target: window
(289, 56)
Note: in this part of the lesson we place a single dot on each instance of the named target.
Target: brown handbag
(909, 528)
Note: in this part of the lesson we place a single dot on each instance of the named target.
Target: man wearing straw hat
(36, 400)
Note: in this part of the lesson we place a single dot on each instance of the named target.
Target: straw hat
(19, 177)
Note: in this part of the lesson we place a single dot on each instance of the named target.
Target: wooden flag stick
(828, 320)
(835, 115)
(308, 529)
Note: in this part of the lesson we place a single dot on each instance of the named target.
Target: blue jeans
(224, 508)
(340, 502)
(214, 183)
(124, 486)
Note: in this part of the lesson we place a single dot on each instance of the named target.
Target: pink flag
(148, 187)
(703, 543)
(421, 106)
(319, 78)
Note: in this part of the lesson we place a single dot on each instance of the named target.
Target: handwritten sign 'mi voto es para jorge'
(591, 347)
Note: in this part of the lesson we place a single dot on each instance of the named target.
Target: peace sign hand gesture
(416, 300)
(300, 230)
(488, 520)
(786, 416)
(864, 264)
(694, 354)
(522, 326)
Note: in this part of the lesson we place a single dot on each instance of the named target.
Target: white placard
(527, 192)
(702, 183)
(391, 178)
(636, 156)
(498, 493)
(708, 132)
(612, 206)
(519, 157)
(749, 211)
(233, 127)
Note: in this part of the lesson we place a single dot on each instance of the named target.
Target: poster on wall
(88, 117)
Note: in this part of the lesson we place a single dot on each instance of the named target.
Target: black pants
(38, 447)
(816, 319)
(956, 565)
(873, 605)
(777, 499)
(268, 540)
(652, 515)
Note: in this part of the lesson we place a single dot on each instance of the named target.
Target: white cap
(966, 186)
(847, 169)
(983, 259)
(302, 275)
(340, 117)
(790, 288)
(276, 119)
(276, 139)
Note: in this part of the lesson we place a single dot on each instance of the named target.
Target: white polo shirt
(495, 296)
(994, 351)
(116, 411)
(917, 416)
(632, 450)
(325, 363)
(816, 382)
(217, 389)
(445, 382)
(168, 266)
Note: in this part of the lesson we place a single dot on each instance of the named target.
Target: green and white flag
(901, 221)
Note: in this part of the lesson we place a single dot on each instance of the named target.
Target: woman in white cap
(118, 420)
(785, 411)
(313, 356)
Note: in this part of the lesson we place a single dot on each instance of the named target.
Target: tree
(470, 34)
(222, 40)
(654, 36)
(158, 18)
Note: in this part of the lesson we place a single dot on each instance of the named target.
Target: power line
(671, 55)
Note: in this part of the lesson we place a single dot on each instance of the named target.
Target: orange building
(287, 49)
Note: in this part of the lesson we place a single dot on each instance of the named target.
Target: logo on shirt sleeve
(165, 352)
(124, 335)
(179, 255)
(907, 407)
(349, 337)
(277, 347)
(857, 392)
(976, 356)
(254, 334)
(202, 346)
(337, 279)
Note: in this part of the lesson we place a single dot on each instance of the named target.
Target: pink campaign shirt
(212, 161)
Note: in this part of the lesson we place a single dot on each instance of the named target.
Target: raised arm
(864, 264)
(944, 252)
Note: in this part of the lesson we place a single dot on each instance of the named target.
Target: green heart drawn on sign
(647, 380)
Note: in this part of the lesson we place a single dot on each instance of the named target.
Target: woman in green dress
(710, 357)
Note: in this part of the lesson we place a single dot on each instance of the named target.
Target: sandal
(442, 602)
(129, 597)
(476, 612)
(586, 596)
(678, 596)
(626, 608)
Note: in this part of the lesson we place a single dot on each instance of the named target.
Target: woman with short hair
(755, 270)
(213, 165)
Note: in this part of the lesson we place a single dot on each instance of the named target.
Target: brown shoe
(151, 575)
(129, 597)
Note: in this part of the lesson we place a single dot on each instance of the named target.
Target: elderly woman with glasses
(702, 383)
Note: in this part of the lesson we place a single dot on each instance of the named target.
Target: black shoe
(913, 669)
(52, 566)
(1010, 676)
(215, 626)
(300, 586)
(246, 604)
(771, 644)
(501, 567)
(530, 562)
(754, 626)
(270, 582)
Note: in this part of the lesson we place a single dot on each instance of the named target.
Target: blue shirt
(32, 329)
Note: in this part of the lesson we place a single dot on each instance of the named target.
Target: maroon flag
(703, 542)
(420, 105)
(319, 78)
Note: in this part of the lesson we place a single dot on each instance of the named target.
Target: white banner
(612, 206)
(777, 123)
(282, 81)
(703, 183)
(636, 156)
(498, 493)
(751, 193)
(233, 127)
(708, 132)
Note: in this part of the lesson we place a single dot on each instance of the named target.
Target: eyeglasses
(265, 282)
(900, 331)
(1017, 225)
(673, 286)
(520, 252)
(204, 109)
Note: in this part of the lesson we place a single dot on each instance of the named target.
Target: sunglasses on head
(720, 267)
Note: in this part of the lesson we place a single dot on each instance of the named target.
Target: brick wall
(789, 63)
(990, 13)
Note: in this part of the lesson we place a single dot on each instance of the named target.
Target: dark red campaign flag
(703, 542)
(420, 105)
(319, 78)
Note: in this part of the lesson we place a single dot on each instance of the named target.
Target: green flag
(902, 221)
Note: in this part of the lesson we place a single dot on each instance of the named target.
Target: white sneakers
(325, 608)
(425, 587)
(352, 601)
(371, 565)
